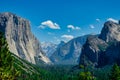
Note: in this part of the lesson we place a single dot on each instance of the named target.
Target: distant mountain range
(104, 49)
(49, 48)
(68, 54)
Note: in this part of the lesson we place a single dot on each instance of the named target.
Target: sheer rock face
(20, 40)
(92, 50)
(104, 49)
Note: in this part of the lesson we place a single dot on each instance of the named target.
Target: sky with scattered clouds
(56, 20)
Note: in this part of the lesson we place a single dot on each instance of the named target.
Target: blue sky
(56, 20)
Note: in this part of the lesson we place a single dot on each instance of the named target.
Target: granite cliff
(20, 39)
(104, 49)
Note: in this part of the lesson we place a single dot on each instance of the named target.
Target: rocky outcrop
(68, 54)
(20, 39)
(110, 32)
(104, 49)
(92, 50)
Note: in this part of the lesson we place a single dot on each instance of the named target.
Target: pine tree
(85, 75)
(6, 60)
(115, 72)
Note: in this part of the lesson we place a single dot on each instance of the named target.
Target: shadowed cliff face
(92, 50)
(20, 40)
(104, 49)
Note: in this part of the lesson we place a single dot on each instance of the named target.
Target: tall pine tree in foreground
(14, 68)
(7, 71)
(85, 74)
(115, 72)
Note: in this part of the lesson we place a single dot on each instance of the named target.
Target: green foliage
(102, 73)
(6, 60)
(102, 47)
(110, 43)
(86, 76)
(82, 67)
(14, 68)
(115, 72)
(26, 70)
(58, 72)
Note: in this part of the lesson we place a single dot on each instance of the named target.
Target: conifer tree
(6, 60)
(85, 75)
(115, 72)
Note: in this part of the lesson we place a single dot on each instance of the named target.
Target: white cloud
(92, 26)
(70, 27)
(77, 28)
(49, 24)
(111, 19)
(67, 37)
(98, 20)
(73, 27)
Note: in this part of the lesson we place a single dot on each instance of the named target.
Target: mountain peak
(8, 15)
(110, 32)
(104, 49)
(61, 42)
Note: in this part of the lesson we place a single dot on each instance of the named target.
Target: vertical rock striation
(20, 39)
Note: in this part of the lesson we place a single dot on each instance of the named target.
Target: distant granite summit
(20, 39)
(48, 48)
(104, 49)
